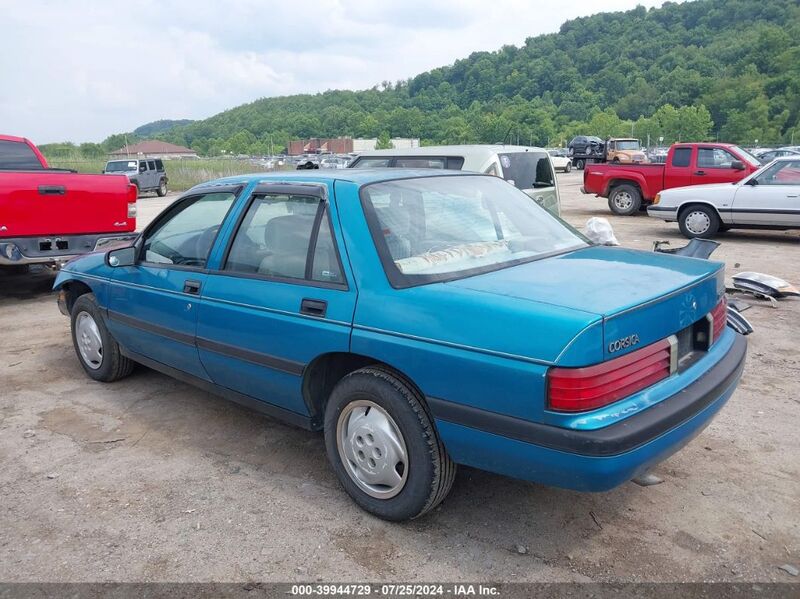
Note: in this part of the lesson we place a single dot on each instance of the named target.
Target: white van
(527, 168)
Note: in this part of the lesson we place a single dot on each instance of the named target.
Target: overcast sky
(84, 69)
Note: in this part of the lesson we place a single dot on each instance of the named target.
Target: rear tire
(384, 449)
(98, 352)
(625, 200)
(568, 168)
(699, 221)
(580, 164)
(162, 188)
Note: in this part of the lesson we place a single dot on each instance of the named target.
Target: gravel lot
(149, 479)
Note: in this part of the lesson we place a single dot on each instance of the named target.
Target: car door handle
(313, 307)
(793, 196)
(701, 173)
(190, 286)
(52, 190)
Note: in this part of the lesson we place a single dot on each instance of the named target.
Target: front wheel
(98, 352)
(625, 200)
(383, 446)
(699, 221)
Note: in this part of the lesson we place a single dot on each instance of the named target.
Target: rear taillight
(719, 317)
(579, 389)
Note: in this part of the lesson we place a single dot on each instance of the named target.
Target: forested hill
(726, 69)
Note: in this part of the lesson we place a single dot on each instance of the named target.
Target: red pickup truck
(630, 187)
(49, 215)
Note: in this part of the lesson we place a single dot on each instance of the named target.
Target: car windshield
(442, 228)
(747, 156)
(121, 166)
(628, 144)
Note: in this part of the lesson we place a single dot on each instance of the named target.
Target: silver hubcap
(90, 344)
(697, 222)
(372, 449)
(623, 200)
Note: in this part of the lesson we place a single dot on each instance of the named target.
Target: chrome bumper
(55, 250)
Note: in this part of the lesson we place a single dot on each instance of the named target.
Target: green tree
(384, 141)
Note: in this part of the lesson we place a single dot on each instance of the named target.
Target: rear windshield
(443, 228)
(15, 155)
(121, 166)
(527, 170)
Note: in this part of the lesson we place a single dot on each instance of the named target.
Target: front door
(771, 198)
(280, 298)
(152, 306)
(715, 165)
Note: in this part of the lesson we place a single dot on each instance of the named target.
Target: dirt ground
(149, 479)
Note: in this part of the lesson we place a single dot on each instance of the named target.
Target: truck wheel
(625, 200)
(568, 168)
(383, 446)
(580, 164)
(699, 221)
(97, 350)
(162, 189)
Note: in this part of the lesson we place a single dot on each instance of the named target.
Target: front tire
(98, 352)
(383, 447)
(625, 200)
(699, 221)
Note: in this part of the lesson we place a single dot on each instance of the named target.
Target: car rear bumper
(595, 460)
(55, 249)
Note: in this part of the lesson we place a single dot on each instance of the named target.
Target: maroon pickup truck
(631, 187)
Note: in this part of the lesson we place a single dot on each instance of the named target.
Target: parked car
(585, 149)
(770, 155)
(49, 215)
(631, 187)
(147, 174)
(767, 199)
(624, 150)
(561, 160)
(421, 319)
(527, 168)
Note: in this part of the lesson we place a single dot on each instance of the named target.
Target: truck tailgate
(34, 203)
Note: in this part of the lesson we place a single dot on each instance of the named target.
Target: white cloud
(82, 70)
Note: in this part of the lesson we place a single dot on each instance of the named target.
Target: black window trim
(315, 190)
(398, 280)
(169, 212)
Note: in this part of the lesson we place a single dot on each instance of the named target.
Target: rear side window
(288, 237)
(371, 163)
(528, 170)
(15, 155)
(159, 165)
(682, 157)
(151, 165)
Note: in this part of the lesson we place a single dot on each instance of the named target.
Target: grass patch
(182, 174)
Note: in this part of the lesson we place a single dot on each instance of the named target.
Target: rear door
(772, 198)
(281, 297)
(152, 305)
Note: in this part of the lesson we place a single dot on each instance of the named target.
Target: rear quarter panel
(601, 178)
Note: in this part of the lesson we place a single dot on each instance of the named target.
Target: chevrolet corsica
(421, 319)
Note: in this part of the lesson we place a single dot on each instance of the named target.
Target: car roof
(358, 176)
(486, 150)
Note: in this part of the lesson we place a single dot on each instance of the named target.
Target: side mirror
(121, 257)
(737, 165)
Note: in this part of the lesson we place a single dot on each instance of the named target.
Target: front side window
(151, 165)
(15, 155)
(186, 233)
(286, 236)
(714, 158)
(443, 228)
(785, 172)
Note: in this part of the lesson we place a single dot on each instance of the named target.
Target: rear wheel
(383, 446)
(568, 168)
(97, 351)
(580, 164)
(625, 200)
(162, 189)
(699, 221)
